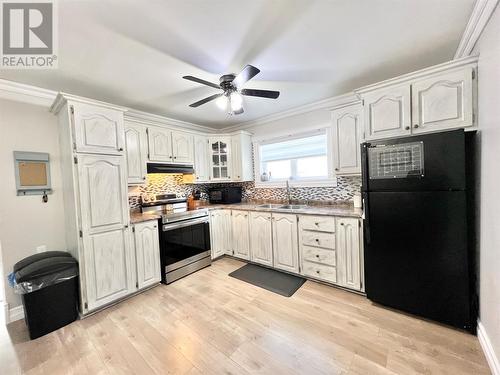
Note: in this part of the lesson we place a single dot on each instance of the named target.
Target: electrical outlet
(41, 249)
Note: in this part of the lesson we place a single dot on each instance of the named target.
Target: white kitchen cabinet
(147, 253)
(387, 112)
(160, 144)
(241, 234)
(348, 253)
(136, 147)
(103, 192)
(104, 228)
(182, 148)
(97, 130)
(221, 234)
(347, 137)
(201, 159)
(285, 243)
(261, 238)
(443, 101)
(241, 157)
(220, 158)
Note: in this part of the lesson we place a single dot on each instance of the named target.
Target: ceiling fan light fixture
(236, 101)
(222, 102)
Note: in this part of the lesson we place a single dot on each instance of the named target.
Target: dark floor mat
(272, 280)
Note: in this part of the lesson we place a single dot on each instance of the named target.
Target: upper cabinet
(136, 147)
(160, 144)
(241, 157)
(97, 130)
(201, 162)
(443, 102)
(347, 137)
(170, 146)
(430, 100)
(387, 112)
(220, 163)
(182, 147)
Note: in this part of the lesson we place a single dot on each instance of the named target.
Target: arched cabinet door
(285, 243)
(104, 229)
(241, 234)
(443, 102)
(261, 240)
(347, 136)
(136, 151)
(182, 147)
(147, 253)
(387, 112)
(348, 253)
(98, 130)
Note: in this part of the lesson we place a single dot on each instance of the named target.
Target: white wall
(489, 124)
(26, 222)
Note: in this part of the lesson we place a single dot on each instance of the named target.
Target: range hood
(170, 168)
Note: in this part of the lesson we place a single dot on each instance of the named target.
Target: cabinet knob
(415, 126)
(317, 255)
(125, 226)
(154, 226)
(120, 149)
(143, 177)
(341, 223)
(336, 169)
(317, 271)
(316, 224)
(175, 157)
(407, 128)
(317, 240)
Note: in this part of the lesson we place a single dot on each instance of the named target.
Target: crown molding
(146, 118)
(63, 97)
(325, 104)
(21, 92)
(483, 9)
(453, 64)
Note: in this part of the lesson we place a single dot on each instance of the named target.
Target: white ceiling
(134, 53)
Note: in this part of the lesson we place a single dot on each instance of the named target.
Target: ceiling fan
(231, 98)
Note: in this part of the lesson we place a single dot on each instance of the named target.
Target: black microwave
(225, 195)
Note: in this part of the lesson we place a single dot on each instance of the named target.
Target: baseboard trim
(16, 313)
(490, 354)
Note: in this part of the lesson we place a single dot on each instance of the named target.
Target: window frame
(330, 180)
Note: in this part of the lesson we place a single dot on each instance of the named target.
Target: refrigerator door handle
(366, 219)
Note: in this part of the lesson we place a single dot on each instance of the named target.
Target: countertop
(345, 210)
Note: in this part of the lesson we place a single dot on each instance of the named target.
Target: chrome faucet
(289, 200)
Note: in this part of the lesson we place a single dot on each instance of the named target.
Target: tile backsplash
(172, 183)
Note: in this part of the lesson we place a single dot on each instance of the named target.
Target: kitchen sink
(293, 206)
(269, 206)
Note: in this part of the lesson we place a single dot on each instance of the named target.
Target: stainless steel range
(184, 238)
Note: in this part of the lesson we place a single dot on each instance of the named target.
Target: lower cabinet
(241, 234)
(147, 253)
(261, 239)
(108, 267)
(220, 233)
(285, 245)
(348, 253)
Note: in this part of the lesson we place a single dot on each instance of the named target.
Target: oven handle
(186, 223)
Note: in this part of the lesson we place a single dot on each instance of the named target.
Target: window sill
(332, 182)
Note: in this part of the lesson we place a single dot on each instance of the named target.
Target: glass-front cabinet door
(220, 153)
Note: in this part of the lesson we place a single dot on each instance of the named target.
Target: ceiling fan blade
(261, 93)
(202, 81)
(245, 75)
(206, 100)
(239, 111)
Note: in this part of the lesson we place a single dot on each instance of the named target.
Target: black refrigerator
(418, 199)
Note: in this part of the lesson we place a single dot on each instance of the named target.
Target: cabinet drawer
(319, 271)
(316, 254)
(319, 223)
(318, 239)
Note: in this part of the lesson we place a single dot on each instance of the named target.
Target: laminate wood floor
(209, 323)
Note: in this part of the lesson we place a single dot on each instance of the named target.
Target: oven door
(184, 243)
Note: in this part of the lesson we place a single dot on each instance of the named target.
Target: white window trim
(330, 181)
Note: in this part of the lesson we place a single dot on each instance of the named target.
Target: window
(302, 158)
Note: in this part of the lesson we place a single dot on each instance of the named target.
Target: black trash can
(48, 283)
